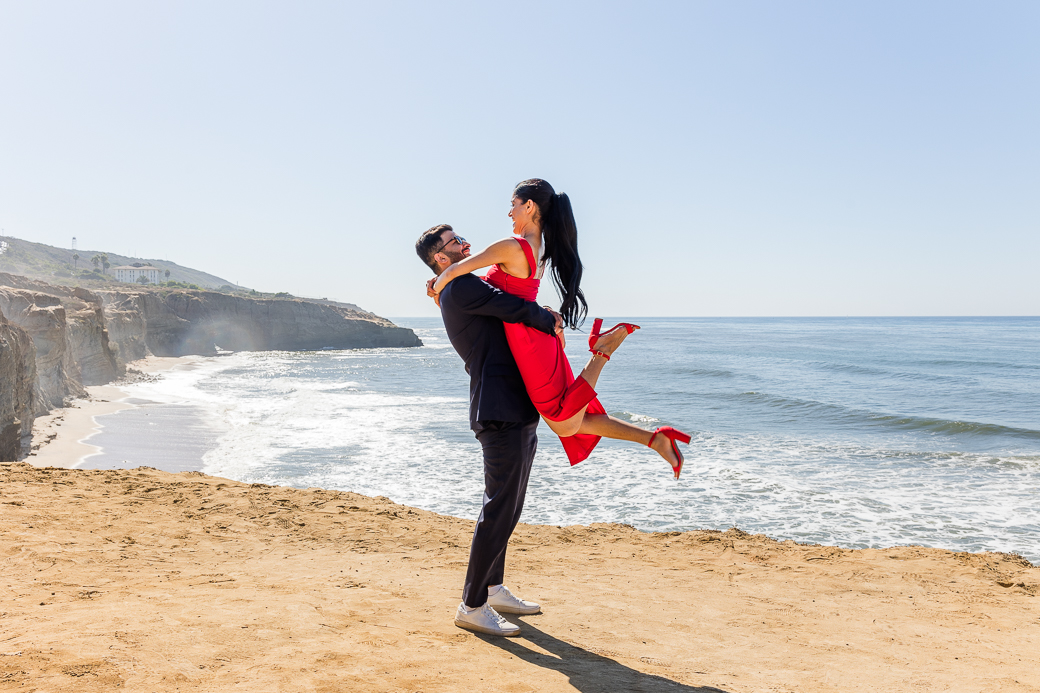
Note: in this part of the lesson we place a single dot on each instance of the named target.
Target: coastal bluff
(54, 340)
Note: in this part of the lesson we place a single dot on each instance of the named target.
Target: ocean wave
(906, 422)
(952, 427)
(637, 419)
(977, 363)
(851, 368)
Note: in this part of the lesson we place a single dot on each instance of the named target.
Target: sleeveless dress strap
(529, 254)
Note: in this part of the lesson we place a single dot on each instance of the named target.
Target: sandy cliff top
(155, 581)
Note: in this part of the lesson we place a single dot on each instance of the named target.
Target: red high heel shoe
(596, 334)
(672, 435)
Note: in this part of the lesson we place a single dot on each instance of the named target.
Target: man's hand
(558, 317)
(559, 324)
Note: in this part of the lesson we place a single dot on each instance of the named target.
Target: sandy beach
(62, 438)
(151, 581)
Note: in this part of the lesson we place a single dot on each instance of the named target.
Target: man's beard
(454, 255)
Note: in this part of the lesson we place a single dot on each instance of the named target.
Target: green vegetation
(179, 285)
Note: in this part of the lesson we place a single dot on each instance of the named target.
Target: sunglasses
(459, 239)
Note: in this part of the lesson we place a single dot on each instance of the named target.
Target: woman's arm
(479, 298)
(504, 252)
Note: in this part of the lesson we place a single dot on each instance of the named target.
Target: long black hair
(560, 235)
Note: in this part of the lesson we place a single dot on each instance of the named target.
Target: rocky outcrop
(45, 320)
(127, 330)
(18, 389)
(89, 341)
(199, 322)
(56, 339)
(67, 326)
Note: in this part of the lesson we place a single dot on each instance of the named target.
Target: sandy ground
(149, 581)
(61, 438)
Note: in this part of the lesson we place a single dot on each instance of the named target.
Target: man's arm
(474, 296)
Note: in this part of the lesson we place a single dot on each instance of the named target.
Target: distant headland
(74, 329)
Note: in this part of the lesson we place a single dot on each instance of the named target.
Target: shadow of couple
(587, 671)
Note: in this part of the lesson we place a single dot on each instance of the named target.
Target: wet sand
(69, 437)
(150, 581)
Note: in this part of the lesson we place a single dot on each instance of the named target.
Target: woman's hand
(431, 293)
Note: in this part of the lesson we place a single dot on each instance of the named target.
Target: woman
(544, 227)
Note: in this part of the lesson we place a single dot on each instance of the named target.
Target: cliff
(19, 391)
(57, 339)
(198, 322)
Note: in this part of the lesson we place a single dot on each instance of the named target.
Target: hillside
(57, 265)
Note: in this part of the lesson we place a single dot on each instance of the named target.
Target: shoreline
(156, 581)
(60, 438)
(68, 436)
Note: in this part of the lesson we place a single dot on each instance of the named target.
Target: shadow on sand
(587, 672)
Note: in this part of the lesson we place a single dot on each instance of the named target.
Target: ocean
(853, 432)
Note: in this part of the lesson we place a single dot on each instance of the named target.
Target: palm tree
(75, 260)
(104, 263)
(96, 260)
(167, 275)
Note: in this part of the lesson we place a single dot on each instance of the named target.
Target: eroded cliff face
(198, 322)
(45, 320)
(18, 389)
(55, 339)
(67, 327)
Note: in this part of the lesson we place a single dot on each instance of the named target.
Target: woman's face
(522, 213)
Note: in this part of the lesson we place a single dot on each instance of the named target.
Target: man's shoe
(484, 620)
(505, 602)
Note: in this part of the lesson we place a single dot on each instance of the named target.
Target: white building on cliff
(131, 273)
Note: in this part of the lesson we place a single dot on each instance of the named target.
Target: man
(500, 414)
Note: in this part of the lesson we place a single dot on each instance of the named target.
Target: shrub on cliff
(174, 284)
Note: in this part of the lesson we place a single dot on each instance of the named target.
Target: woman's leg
(608, 344)
(609, 427)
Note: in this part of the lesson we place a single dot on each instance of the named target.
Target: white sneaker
(505, 602)
(484, 620)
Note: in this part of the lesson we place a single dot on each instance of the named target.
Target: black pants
(508, 453)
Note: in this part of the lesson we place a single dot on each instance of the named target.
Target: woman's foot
(668, 436)
(663, 447)
(608, 342)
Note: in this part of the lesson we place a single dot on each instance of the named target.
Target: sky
(722, 158)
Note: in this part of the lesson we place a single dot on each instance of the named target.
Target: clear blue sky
(723, 158)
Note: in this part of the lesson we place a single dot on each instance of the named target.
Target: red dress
(556, 393)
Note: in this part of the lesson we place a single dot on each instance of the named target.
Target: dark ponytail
(560, 235)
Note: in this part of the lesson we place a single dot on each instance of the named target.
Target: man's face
(453, 246)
